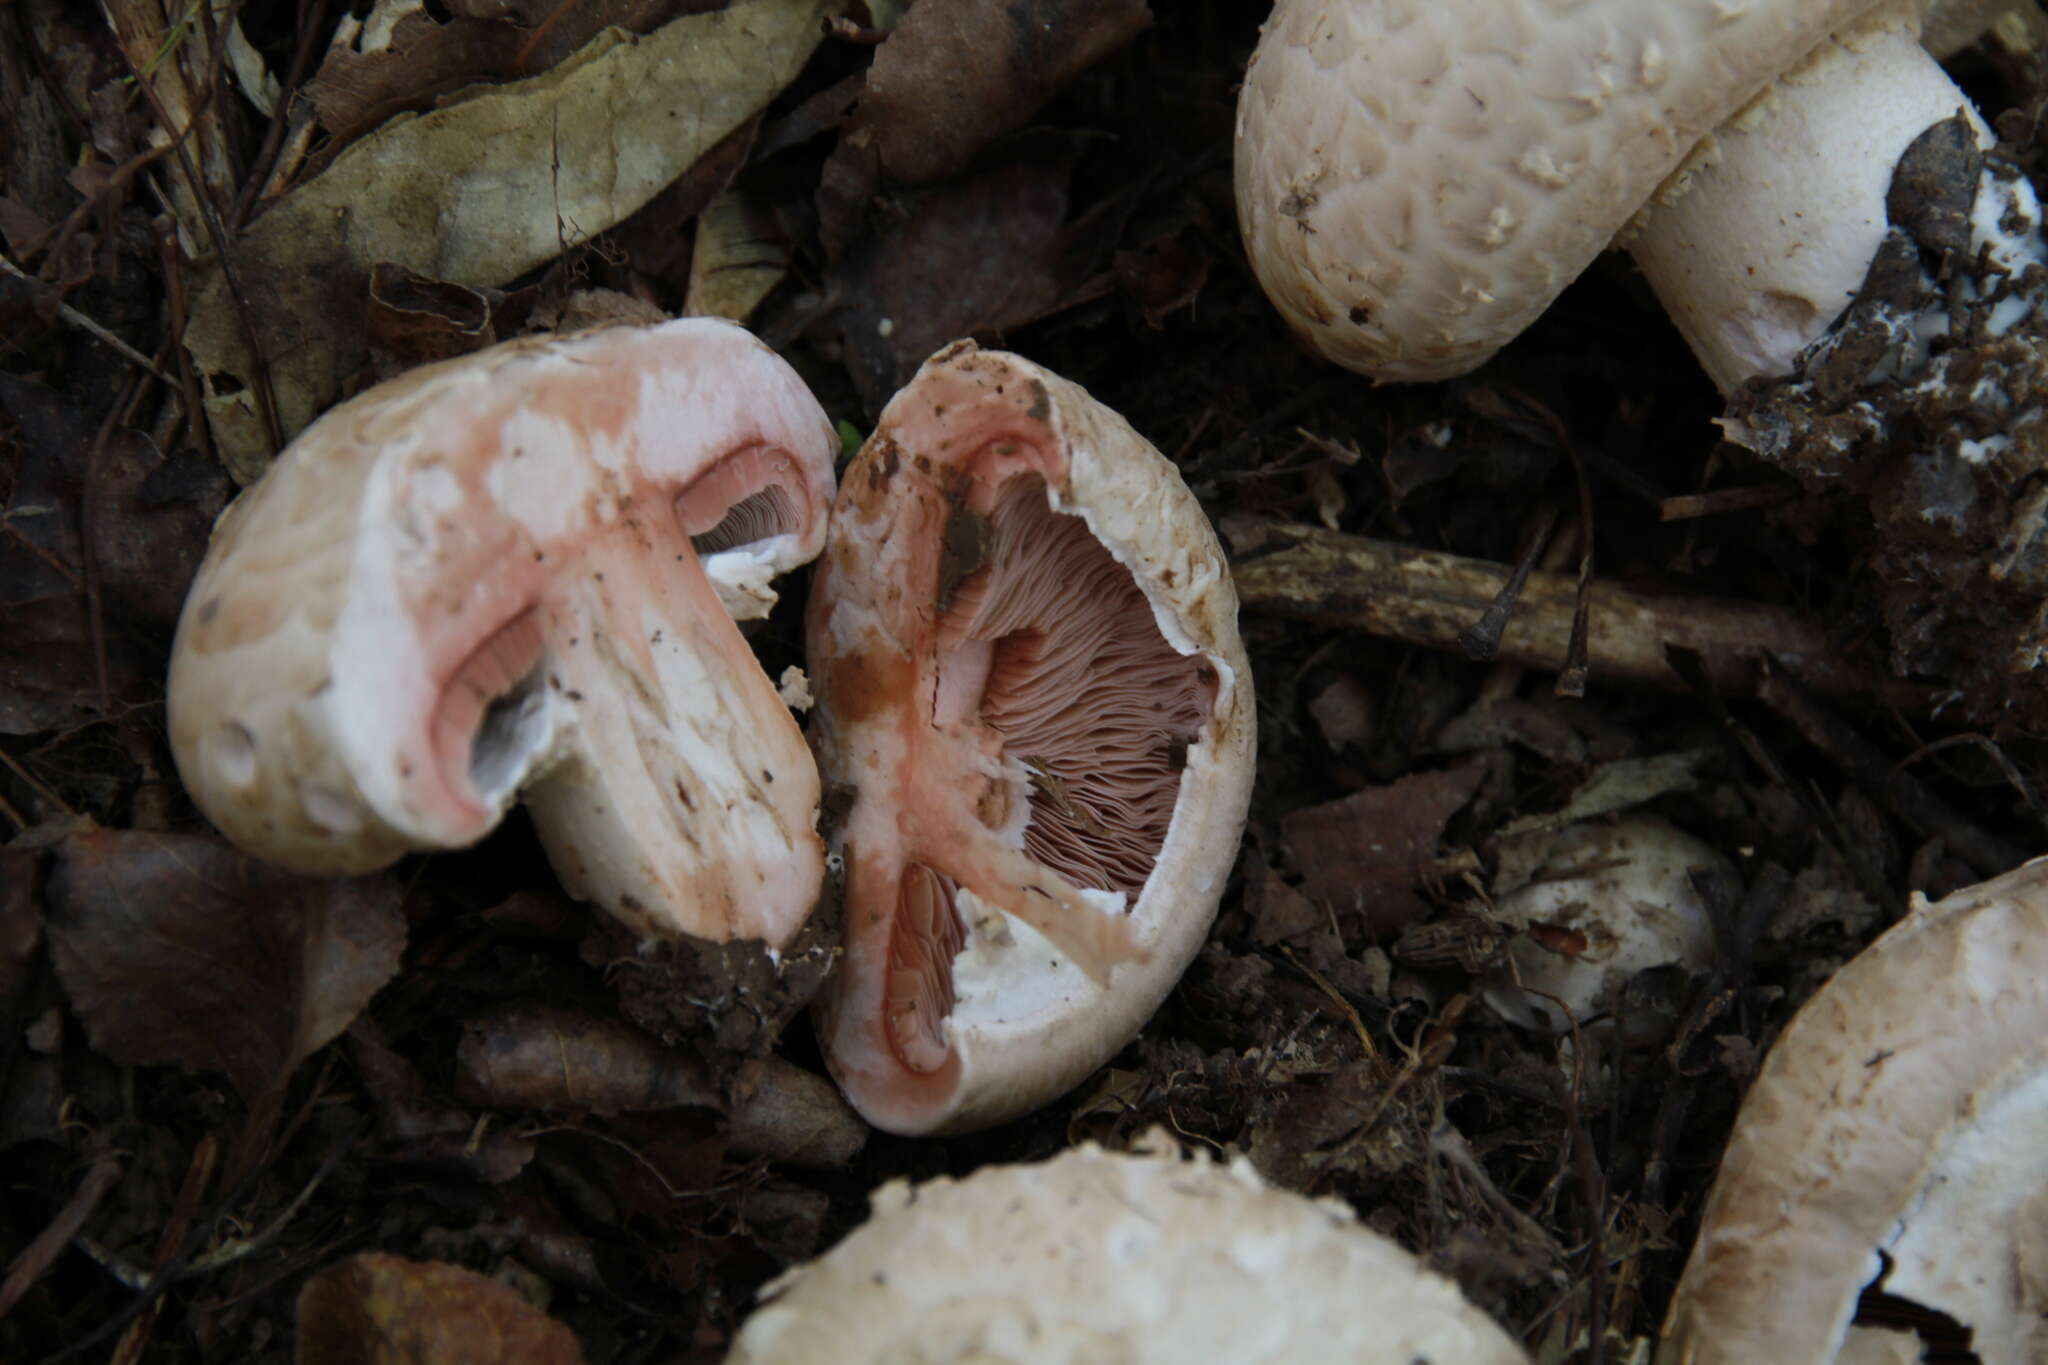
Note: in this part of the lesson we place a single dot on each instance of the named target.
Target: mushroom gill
(1083, 691)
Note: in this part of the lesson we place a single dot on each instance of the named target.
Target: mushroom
(517, 573)
(1030, 687)
(1416, 182)
(1624, 894)
(1100, 1256)
(1896, 1138)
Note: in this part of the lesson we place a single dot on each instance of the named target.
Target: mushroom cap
(1418, 179)
(1023, 638)
(1902, 1115)
(1627, 889)
(518, 570)
(1099, 1256)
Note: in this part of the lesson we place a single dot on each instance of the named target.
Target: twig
(1427, 598)
(37, 1256)
(86, 324)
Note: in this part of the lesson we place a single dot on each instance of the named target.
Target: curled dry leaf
(176, 948)
(1896, 1139)
(1024, 642)
(375, 1309)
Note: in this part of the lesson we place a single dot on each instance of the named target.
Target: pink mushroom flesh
(530, 601)
(1049, 758)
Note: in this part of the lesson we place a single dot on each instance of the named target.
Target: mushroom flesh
(1896, 1140)
(1030, 688)
(1100, 1256)
(1417, 181)
(516, 574)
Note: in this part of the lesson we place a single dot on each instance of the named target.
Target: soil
(204, 1108)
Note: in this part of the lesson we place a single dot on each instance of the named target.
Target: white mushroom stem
(1758, 244)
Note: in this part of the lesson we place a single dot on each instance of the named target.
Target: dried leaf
(375, 1309)
(974, 257)
(954, 76)
(1365, 852)
(477, 192)
(176, 948)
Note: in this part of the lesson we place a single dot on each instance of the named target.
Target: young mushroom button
(1889, 1166)
(1024, 642)
(516, 574)
(1101, 1256)
(1418, 179)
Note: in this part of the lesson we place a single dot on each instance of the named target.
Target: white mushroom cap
(1903, 1111)
(516, 572)
(1627, 889)
(1096, 1257)
(1418, 179)
(1024, 643)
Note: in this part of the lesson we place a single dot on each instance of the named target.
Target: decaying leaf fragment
(176, 948)
(476, 193)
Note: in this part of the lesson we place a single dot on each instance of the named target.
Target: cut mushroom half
(1105, 1256)
(1030, 685)
(517, 573)
(1895, 1143)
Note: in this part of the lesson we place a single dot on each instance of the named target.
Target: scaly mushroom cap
(1418, 179)
(1626, 890)
(1024, 642)
(1100, 1256)
(518, 571)
(1900, 1121)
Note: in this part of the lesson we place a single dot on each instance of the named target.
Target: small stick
(1428, 598)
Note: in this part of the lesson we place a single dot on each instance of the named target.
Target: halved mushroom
(1024, 641)
(516, 573)
(1101, 1256)
(1895, 1142)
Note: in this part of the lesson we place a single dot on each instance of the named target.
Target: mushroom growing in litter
(1625, 897)
(1895, 1139)
(1101, 1256)
(1031, 689)
(517, 573)
(1417, 181)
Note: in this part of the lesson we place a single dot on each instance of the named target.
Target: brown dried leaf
(406, 58)
(1365, 852)
(954, 76)
(416, 319)
(176, 948)
(974, 257)
(376, 1309)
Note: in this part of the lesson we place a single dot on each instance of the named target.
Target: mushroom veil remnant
(1106, 1256)
(1417, 179)
(516, 574)
(1895, 1144)
(1032, 696)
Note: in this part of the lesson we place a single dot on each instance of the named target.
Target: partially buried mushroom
(1418, 179)
(1032, 693)
(1106, 1256)
(1894, 1147)
(516, 574)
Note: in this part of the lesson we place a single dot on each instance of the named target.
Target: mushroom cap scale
(479, 578)
(1023, 640)
(1417, 179)
(1102, 1256)
(1901, 1111)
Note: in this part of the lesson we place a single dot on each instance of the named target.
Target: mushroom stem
(1758, 243)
